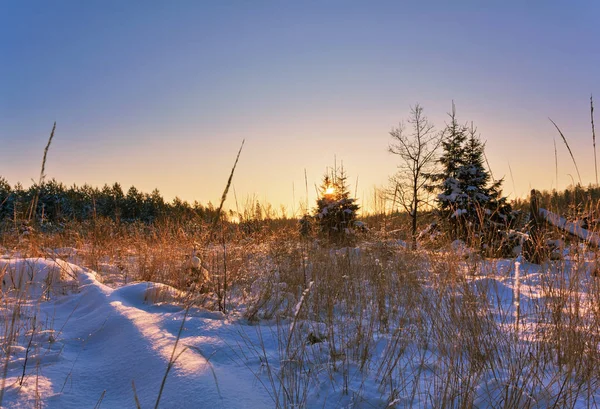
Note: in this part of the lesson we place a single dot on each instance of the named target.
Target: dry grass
(431, 329)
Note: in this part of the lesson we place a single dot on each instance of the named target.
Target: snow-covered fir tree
(483, 200)
(469, 200)
(336, 211)
(451, 161)
(446, 182)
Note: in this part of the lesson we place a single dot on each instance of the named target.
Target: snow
(104, 338)
(93, 341)
(459, 212)
(572, 228)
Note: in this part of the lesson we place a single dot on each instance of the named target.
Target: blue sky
(161, 94)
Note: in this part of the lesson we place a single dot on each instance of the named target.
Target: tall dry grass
(430, 328)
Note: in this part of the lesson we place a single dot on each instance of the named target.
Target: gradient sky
(161, 94)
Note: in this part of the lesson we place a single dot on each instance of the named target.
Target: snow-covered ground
(91, 343)
(70, 341)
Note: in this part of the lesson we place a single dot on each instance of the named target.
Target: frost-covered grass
(305, 324)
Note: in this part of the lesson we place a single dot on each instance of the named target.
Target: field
(166, 316)
(299, 205)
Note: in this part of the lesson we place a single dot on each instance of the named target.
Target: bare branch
(417, 151)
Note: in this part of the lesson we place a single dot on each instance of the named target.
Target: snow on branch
(570, 227)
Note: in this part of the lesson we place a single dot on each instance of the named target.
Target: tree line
(53, 202)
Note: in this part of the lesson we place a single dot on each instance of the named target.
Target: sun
(330, 190)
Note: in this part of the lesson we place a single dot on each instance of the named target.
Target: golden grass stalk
(568, 147)
(173, 358)
(556, 162)
(34, 203)
(593, 136)
(224, 196)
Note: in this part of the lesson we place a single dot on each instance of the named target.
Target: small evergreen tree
(468, 200)
(336, 211)
(305, 226)
(446, 182)
(483, 199)
(451, 160)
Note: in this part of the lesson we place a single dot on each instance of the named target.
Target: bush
(336, 211)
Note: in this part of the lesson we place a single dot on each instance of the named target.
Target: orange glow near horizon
(161, 99)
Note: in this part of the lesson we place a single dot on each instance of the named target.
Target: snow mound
(92, 343)
(37, 277)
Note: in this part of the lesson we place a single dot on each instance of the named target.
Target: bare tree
(417, 150)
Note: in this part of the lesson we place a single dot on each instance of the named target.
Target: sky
(161, 94)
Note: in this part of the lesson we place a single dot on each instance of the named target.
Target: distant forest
(574, 202)
(58, 203)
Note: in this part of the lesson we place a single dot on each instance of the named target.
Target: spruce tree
(336, 211)
(450, 193)
(474, 179)
(452, 160)
(468, 200)
(484, 200)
